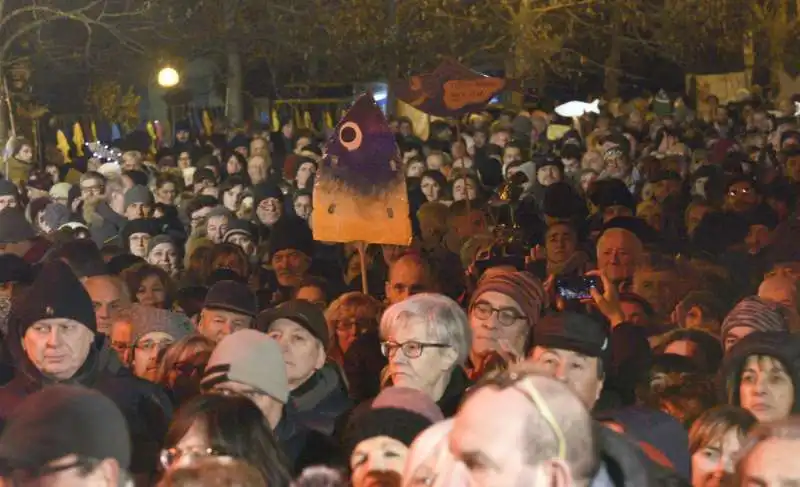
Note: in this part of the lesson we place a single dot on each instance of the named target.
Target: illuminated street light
(168, 77)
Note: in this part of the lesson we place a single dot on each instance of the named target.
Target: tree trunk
(233, 97)
(614, 60)
(234, 109)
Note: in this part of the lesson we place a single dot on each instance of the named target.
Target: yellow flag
(208, 126)
(328, 120)
(298, 119)
(77, 138)
(307, 121)
(276, 123)
(63, 145)
(151, 131)
(94, 131)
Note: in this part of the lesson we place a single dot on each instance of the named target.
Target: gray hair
(444, 319)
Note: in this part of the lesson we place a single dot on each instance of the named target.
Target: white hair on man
(444, 321)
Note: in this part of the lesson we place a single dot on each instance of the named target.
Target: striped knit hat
(756, 313)
(522, 287)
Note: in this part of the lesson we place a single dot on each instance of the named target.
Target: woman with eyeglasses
(182, 367)
(426, 340)
(502, 313)
(225, 426)
(349, 316)
(152, 331)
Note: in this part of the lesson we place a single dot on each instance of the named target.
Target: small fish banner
(360, 191)
(451, 90)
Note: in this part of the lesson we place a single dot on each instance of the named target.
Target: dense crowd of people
(605, 301)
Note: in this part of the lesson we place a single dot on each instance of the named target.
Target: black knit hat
(562, 201)
(56, 293)
(302, 312)
(266, 190)
(291, 233)
(573, 331)
(143, 225)
(15, 269)
(605, 193)
(63, 420)
(399, 424)
(232, 296)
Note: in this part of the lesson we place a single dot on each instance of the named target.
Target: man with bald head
(109, 296)
(525, 431)
(619, 251)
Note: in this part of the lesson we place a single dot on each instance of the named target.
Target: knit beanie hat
(400, 424)
(252, 358)
(143, 225)
(146, 319)
(14, 227)
(64, 420)
(662, 105)
(266, 190)
(56, 293)
(408, 399)
(161, 239)
(55, 215)
(522, 287)
(291, 233)
(60, 190)
(756, 313)
(138, 194)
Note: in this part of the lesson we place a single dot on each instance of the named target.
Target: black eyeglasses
(411, 349)
(506, 316)
(189, 368)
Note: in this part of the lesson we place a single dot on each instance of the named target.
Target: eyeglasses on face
(411, 348)
(150, 345)
(505, 316)
(171, 456)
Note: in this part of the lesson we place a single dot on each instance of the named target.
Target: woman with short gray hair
(426, 339)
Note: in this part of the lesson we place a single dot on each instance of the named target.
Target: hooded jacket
(624, 464)
(778, 344)
(107, 225)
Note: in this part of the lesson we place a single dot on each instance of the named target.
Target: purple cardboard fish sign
(360, 190)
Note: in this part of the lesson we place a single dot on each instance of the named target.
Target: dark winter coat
(321, 400)
(108, 227)
(144, 404)
(304, 446)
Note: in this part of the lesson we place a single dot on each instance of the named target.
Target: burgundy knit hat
(522, 287)
(410, 400)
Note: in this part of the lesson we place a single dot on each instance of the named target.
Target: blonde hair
(195, 342)
(712, 425)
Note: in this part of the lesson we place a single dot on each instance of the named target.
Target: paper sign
(360, 191)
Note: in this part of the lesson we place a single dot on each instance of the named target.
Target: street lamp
(168, 77)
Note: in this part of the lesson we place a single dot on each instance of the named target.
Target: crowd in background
(609, 300)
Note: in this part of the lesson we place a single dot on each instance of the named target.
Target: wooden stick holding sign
(362, 255)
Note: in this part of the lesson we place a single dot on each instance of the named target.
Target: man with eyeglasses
(317, 388)
(249, 363)
(502, 312)
(153, 330)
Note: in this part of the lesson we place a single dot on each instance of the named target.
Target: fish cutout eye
(350, 136)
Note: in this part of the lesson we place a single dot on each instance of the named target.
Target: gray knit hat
(138, 194)
(144, 320)
(756, 313)
(55, 215)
